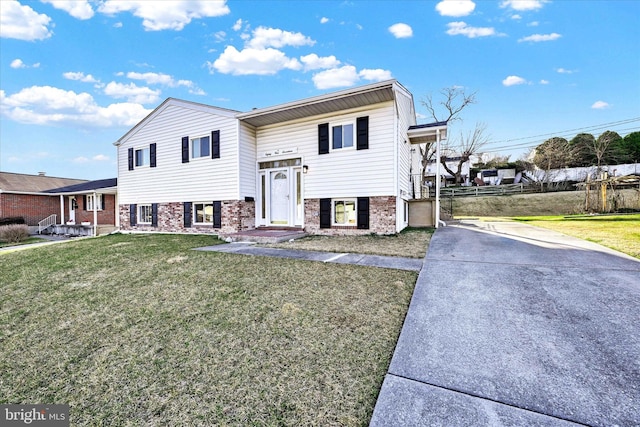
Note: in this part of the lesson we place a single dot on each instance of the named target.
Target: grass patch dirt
(410, 243)
(619, 232)
(142, 330)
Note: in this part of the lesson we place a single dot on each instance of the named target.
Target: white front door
(72, 210)
(279, 197)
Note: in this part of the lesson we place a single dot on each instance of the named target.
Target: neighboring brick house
(37, 197)
(338, 163)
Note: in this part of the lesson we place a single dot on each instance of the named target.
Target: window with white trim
(342, 136)
(345, 212)
(143, 157)
(200, 147)
(145, 214)
(90, 203)
(203, 213)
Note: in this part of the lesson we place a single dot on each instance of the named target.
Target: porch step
(266, 235)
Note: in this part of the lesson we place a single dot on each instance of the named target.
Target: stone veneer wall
(382, 218)
(236, 215)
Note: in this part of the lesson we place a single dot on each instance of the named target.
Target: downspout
(438, 179)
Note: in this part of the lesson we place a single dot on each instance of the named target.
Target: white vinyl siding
(247, 152)
(406, 118)
(340, 173)
(172, 180)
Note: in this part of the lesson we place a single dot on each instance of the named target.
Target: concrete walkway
(513, 325)
(411, 264)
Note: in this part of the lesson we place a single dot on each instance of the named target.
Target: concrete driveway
(515, 325)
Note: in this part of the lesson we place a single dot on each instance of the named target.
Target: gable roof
(87, 187)
(329, 103)
(175, 102)
(12, 182)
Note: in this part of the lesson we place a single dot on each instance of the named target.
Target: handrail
(46, 223)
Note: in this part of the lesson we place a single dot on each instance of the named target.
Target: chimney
(42, 173)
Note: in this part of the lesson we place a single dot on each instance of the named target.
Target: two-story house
(338, 163)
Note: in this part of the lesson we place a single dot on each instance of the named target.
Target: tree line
(586, 150)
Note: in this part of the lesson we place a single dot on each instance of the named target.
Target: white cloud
(22, 23)
(401, 31)
(238, 25)
(80, 9)
(461, 28)
(166, 15)
(80, 159)
(513, 80)
(100, 158)
(523, 5)
(253, 61)
(516, 17)
(455, 7)
(17, 63)
(540, 37)
(564, 71)
(159, 78)
(80, 76)
(46, 105)
(274, 37)
(220, 36)
(133, 93)
(376, 75)
(533, 24)
(600, 105)
(314, 62)
(544, 82)
(324, 20)
(336, 77)
(347, 76)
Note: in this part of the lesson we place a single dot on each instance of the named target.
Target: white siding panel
(247, 170)
(341, 173)
(172, 180)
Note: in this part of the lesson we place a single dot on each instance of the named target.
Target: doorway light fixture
(305, 169)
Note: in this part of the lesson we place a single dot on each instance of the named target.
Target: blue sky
(77, 75)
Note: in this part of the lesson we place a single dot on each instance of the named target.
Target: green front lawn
(141, 330)
(28, 241)
(619, 232)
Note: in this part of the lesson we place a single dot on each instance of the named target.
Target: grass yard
(619, 232)
(410, 243)
(27, 241)
(141, 330)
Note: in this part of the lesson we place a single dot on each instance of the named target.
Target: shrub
(12, 220)
(14, 233)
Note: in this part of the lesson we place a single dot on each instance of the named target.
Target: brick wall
(236, 215)
(382, 218)
(105, 217)
(32, 208)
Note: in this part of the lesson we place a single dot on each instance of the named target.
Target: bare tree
(454, 101)
(467, 146)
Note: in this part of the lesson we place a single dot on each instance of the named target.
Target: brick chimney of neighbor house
(42, 173)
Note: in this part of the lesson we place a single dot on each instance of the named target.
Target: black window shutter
(362, 135)
(104, 203)
(132, 215)
(84, 202)
(217, 214)
(152, 155)
(215, 144)
(363, 213)
(130, 159)
(187, 214)
(323, 138)
(154, 214)
(185, 149)
(325, 213)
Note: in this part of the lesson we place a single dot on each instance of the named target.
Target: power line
(533, 140)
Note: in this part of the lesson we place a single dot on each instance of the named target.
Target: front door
(279, 197)
(72, 209)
